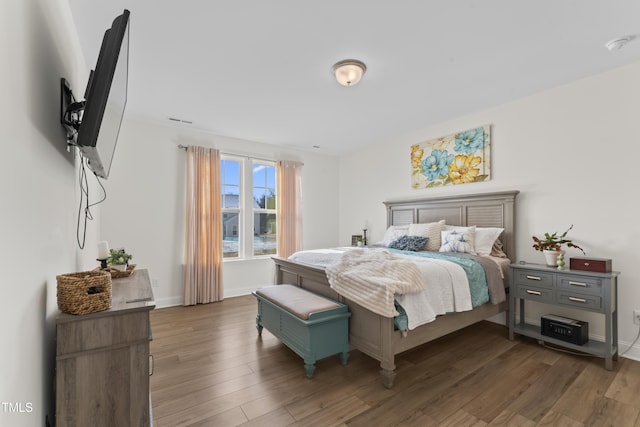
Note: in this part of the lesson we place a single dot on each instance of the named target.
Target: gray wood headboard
(480, 209)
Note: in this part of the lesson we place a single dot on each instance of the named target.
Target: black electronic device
(93, 124)
(564, 329)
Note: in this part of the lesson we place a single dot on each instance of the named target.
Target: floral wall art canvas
(460, 158)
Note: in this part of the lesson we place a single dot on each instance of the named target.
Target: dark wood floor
(212, 369)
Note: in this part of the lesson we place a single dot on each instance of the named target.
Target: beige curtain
(203, 237)
(289, 207)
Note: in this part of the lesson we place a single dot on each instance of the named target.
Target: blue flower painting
(460, 158)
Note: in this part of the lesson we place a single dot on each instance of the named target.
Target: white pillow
(431, 230)
(459, 240)
(393, 233)
(485, 238)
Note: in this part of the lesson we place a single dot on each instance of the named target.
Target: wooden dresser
(102, 360)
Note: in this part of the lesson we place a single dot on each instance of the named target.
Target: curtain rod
(184, 147)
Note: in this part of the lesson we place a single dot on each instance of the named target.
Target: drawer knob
(574, 299)
(584, 285)
(533, 277)
(530, 292)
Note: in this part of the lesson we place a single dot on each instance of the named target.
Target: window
(231, 180)
(264, 209)
(248, 208)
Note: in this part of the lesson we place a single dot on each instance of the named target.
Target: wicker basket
(84, 292)
(118, 274)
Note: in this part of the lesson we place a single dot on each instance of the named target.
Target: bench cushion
(295, 300)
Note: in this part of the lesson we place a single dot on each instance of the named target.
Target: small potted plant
(118, 259)
(551, 245)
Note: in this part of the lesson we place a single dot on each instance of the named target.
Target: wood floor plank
(542, 394)
(511, 372)
(610, 412)
(492, 397)
(277, 417)
(462, 418)
(511, 419)
(334, 414)
(557, 419)
(625, 387)
(212, 369)
(578, 401)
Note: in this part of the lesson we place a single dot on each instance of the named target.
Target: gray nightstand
(584, 290)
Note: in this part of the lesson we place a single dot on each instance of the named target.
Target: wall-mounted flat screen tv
(105, 98)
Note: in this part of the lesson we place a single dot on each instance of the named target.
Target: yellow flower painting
(460, 158)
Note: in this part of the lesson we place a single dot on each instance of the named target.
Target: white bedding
(444, 285)
(446, 290)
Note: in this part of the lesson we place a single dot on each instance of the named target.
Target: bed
(376, 335)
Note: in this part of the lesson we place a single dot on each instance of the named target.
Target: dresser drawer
(583, 285)
(584, 301)
(533, 278)
(534, 293)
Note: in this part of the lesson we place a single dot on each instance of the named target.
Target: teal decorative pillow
(410, 243)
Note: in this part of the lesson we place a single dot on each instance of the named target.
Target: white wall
(39, 200)
(144, 211)
(571, 151)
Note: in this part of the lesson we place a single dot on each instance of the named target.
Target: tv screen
(105, 98)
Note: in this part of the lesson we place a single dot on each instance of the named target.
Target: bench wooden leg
(258, 325)
(309, 367)
(344, 358)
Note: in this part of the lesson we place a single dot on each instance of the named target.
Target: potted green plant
(118, 259)
(551, 245)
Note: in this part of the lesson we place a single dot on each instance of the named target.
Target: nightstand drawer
(591, 302)
(533, 278)
(534, 293)
(584, 285)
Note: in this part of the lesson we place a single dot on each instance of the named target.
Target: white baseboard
(169, 302)
(238, 292)
(228, 293)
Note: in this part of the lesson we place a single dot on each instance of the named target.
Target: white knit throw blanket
(371, 278)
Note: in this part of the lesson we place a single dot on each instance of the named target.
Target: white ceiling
(260, 70)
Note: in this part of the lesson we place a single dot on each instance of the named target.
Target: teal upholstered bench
(313, 326)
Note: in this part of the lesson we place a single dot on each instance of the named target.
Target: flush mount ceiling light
(618, 43)
(348, 72)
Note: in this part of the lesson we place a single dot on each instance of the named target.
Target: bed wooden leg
(387, 377)
(388, 373)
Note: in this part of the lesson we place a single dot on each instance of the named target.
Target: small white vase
(121, 267)
(552, 257)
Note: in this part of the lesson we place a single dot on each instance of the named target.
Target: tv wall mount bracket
(71, 112)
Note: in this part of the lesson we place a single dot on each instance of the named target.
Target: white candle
(103, 249)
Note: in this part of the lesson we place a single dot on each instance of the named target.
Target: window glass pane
(230, 171)
(264, 187)
(230, 196)
(259, 175)
(259, 198)
(230, 232)
(271, 201)
(271, 177)
(230, 177)
(264, 235)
